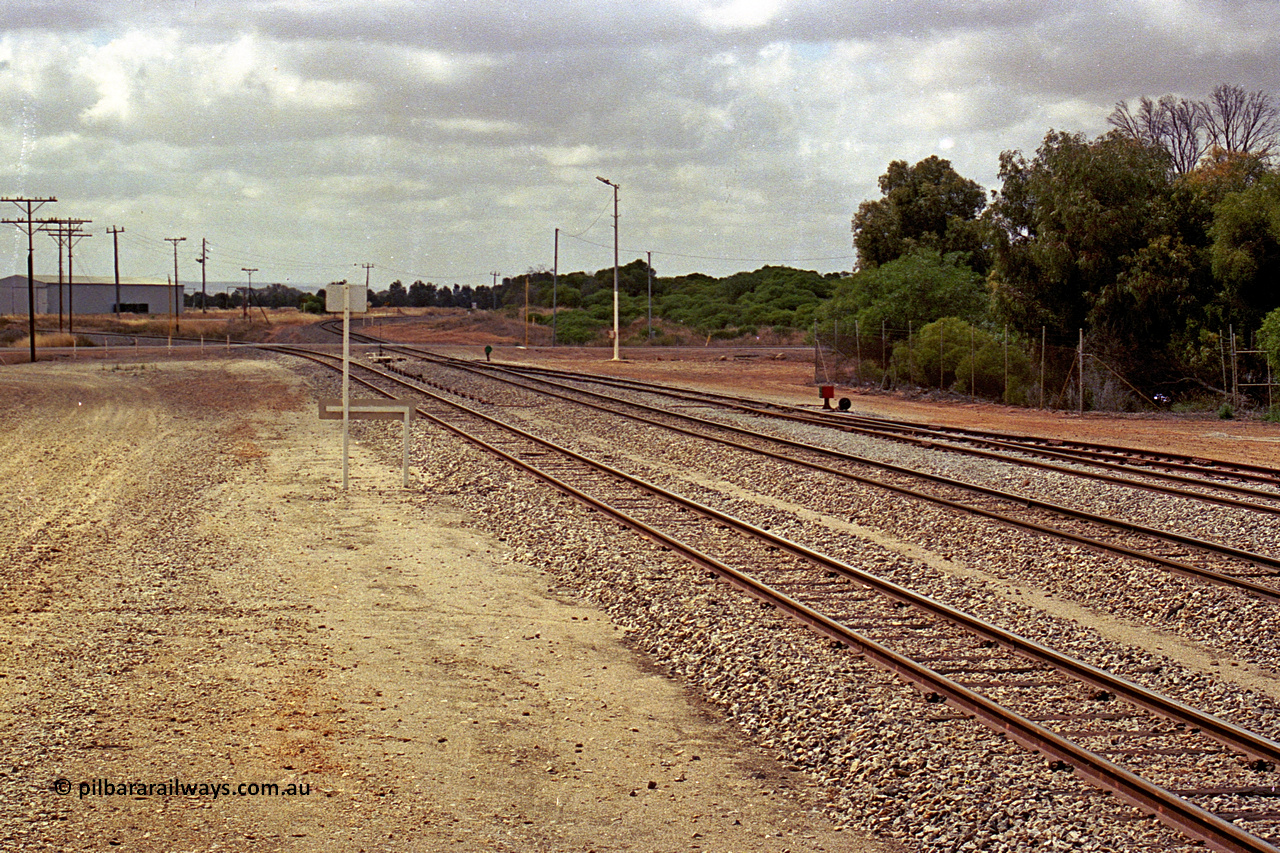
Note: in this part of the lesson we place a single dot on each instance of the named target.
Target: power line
(115, 237)
(67, 233)
(28, 225)
(173, 291)
(724, 258)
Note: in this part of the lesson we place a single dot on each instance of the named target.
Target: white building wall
(89, 297)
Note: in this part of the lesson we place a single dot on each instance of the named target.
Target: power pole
(173, 290)
(28, 225)
(616, 332)
(204, 255)
(115, 239)
(364, 318)
(58, 239)
(67, 233)
(649, 264)
(249, 290)
(555, 285)
(74, 235)
(493, 291)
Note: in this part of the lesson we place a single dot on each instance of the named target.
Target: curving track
(1244, 568)
(1104, 727)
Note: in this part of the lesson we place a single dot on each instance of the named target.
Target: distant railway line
(1255, 572)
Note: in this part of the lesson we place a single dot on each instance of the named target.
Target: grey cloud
(478, 127)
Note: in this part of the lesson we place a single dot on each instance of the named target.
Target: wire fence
(954, 357)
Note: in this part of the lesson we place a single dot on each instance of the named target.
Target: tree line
(1157, 241)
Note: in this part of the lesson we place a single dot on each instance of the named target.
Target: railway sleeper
(1134, 733)
(1249, 791)
(1016, 683)
(1150, 752)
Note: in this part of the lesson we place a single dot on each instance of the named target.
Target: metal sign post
(340, 297)
(346, 378)
(332, 408)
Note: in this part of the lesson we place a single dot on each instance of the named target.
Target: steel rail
(1032, 446)
(928, 435)
(1182, 568)
(793, 414)
(1227, 733)
(1024, 444)
(1027, 445)
(1171, 809)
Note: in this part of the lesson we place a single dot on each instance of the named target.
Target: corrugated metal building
(90, 295)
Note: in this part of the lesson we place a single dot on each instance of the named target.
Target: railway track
(1150, 751)
(1184, 471)
(1189, 556)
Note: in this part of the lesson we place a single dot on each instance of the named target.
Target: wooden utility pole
(365, 314)
(28, 225)
(249, 290)
(173, 289)
(555, 285)
(115, 239)
(67, 233)
(649, 263)
(1082, 373)
(74, 235)
(204, 256)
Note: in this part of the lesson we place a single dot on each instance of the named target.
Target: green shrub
(577, 327)
(950, 352)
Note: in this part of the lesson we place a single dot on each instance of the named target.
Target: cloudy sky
(448, 140)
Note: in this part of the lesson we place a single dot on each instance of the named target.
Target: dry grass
(213, 325)
(55, 339)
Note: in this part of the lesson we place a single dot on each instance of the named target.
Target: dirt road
(206, 645)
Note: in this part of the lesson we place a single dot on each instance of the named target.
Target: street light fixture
(616, 357)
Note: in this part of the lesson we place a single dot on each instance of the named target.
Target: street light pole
(555, 285)
(616, 356)
(649, 264)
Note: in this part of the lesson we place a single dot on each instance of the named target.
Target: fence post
(884, 351)
(1004, 395)
(911, 358)
(817, 351)
(1044, 337)
(857, 340)
(1222, 353)
(942, 338)
(1235, 370)
(1082, 373)
(973, 372)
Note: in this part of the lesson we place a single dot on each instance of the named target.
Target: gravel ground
(189, 594)
(955, 786)
(1234, 631)
(187, 598)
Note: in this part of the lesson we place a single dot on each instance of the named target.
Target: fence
(952, 356)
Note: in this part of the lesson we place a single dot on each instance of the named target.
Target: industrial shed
(90, 295)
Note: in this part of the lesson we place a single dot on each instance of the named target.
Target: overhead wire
(719, 257)
(152, 251)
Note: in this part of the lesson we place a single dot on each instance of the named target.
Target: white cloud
(456, 137)
(740, 14)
